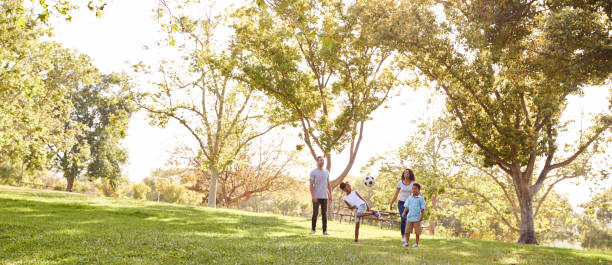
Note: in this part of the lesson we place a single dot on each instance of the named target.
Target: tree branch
(492, 206)
(565, 162)
(183, 122)
(352, 156)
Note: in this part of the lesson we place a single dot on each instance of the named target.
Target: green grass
(39, 227)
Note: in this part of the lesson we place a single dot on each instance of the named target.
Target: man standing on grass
(320, 191)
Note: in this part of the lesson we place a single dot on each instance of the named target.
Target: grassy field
(39, 227)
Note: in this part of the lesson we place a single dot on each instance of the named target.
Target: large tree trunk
(69, 183)
(212, 190)
(528, 235)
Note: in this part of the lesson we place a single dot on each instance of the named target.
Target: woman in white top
(404, 189)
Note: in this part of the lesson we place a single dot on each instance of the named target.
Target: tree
(203, 94)
(111, 188)
(139, 191)
(293, 200)
(507, 68)
(261, 170)
(32, 114)
(595, 229)
(455, 185)
(45, 9)
(107, 126)
(167, 185)
(488, 192)
(101, 109)
(319, 61)
(37, 81)
(430, 155)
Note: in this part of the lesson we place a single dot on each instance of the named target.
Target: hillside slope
(47, 227)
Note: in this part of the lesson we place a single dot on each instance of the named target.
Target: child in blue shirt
(414, 209)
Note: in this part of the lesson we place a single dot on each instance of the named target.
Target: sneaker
(377, 214)
(326, 233)
(415, 245)
(406, 244)
(356, 242)
(403, 239)
(312, 232)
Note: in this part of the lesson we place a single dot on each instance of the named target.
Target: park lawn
(50, 227)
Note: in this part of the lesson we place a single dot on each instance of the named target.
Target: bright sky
(116, 40)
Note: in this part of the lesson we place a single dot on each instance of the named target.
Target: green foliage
(101, 108)
(45, 116)
(429, 154)
(139, 191)
(600, 207)
(507, 68)
(292, 201)
(111, 188)
(40, 227)
(108, 125)
(10, 174)
(455, 186)
(202, 93)
(167, 186)
(319, 61)
(62, 8)
(32, 113)
(594, 226)
(595, 237)
(175, 193)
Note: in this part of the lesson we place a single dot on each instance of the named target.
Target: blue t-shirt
(414, 205)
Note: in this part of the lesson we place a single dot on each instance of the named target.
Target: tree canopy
(203, 93)
(321, 62)
(507, 68)
(32, 113)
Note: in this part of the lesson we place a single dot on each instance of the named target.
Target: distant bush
(139, 191)
(595, 237)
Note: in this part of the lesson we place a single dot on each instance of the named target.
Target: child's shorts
(360, 209)
(416, 226)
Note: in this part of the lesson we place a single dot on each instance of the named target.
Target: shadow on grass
(96, 232)
(170, 219)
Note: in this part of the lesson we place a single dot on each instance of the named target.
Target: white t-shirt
(353, 200)
(405, 190)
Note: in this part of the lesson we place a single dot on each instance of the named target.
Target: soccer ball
(369, 181)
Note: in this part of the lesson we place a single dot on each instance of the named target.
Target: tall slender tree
(203, 93)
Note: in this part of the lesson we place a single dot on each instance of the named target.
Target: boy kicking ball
(355, 201)
(414, 210)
